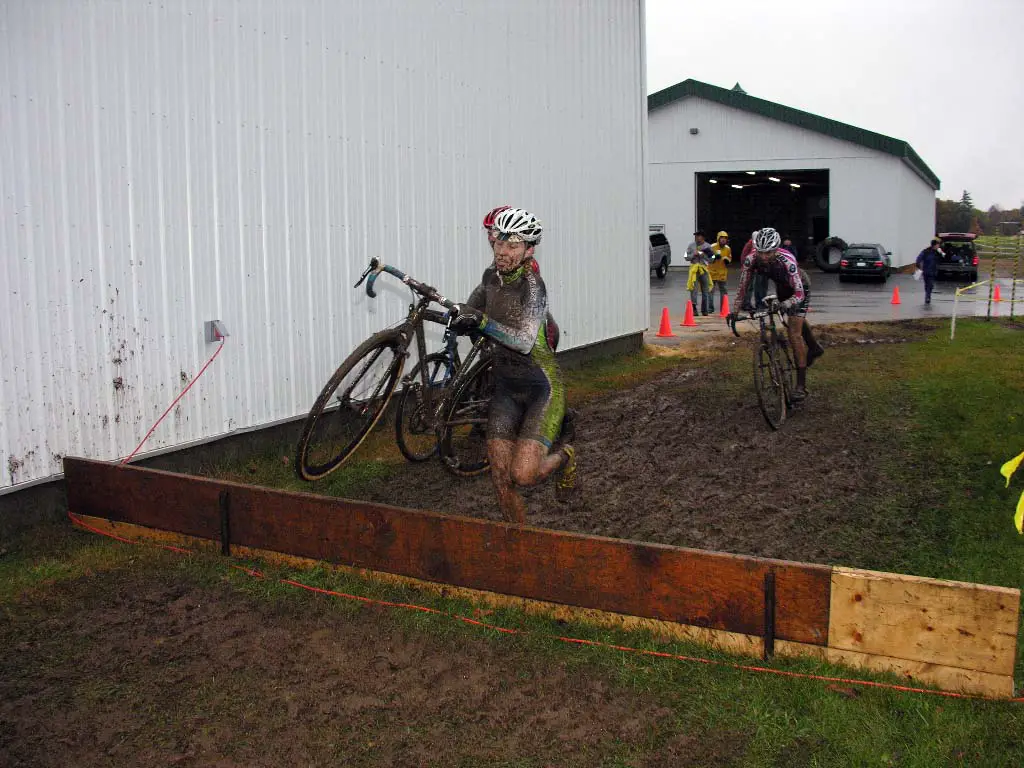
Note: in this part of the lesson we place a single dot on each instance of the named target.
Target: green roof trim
(738, 99)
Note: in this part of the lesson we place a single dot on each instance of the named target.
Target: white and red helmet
(518, 225)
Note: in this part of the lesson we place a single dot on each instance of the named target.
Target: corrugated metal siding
(917, 218)
(166, 164)
(868, 188)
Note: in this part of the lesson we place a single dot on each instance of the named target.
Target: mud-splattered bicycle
(774, 371)
(442, 405)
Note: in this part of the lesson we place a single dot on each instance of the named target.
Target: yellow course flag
(1007, 471)
(1010, 467)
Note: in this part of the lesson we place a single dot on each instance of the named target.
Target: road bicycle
(440, 384)
(774, 371)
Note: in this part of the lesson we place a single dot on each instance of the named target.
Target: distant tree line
(961, 216)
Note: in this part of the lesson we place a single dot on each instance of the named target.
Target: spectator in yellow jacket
(721, 255)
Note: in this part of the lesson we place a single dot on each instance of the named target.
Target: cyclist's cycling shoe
(565, 477)
(798, 395)
(814, 353)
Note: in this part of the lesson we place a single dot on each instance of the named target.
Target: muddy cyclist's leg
(814, 349)
(534, 460)
(796, 341)
(503, 419)
(513, 507)
(532, 463)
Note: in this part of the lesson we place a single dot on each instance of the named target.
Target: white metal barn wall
(869, 190)
(166, 163)
(917, 216)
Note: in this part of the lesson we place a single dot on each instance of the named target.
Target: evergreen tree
(964, 212)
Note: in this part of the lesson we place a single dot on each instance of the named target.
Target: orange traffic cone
(895, 295)
(666, 324)
(997, 296)
(725, 307)
(688, 317)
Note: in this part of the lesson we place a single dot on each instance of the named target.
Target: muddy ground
(687, 459)
(147, 665)
(138, 668)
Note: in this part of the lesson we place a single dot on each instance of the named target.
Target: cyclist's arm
(745, 273)
(793, 277)
(478, 298)
(523, 336)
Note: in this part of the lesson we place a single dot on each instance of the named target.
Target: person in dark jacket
(928, 263)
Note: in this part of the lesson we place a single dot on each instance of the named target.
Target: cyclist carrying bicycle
(780, 267)
(528, 403)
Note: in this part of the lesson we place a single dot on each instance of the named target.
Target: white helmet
(767, 239)
(518, 225)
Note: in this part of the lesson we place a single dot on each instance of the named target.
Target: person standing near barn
(721, 255)
(928, 262)
(698, 253)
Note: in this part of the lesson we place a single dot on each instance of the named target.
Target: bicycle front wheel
(462, 428)
(417, 404)
(771, 392)
(350, 404)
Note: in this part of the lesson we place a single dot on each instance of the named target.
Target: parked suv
(661, 254)
(865, 260)
(959, 257)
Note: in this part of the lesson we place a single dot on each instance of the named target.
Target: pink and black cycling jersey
(782, 270)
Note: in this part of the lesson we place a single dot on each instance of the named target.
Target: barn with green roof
(720, 158)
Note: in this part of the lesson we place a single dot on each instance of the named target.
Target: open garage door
(794, 202)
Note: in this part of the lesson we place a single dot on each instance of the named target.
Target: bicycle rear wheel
(771, 392)
(462, 428)
(350, 404)
(416, 407)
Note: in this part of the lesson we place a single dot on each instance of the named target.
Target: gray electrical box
(215, 331)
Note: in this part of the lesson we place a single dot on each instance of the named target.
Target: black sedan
(865, 260)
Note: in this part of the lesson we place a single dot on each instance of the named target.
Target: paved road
(834, 302)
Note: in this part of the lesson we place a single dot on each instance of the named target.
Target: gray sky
(890, 66)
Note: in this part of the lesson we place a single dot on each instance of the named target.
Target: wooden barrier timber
(957, 636)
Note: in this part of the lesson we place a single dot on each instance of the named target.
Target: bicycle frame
(777, 346)
(419, 312)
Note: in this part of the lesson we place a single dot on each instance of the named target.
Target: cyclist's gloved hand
(467, 319)
(772, 303)
(787, 305)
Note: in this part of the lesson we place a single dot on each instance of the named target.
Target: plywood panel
(950, 623)
(947, 678)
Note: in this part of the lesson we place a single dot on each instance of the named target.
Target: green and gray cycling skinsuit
(529, 398)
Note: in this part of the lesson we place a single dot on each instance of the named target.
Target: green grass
(948, 415)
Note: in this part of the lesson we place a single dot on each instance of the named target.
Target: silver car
(661, 254)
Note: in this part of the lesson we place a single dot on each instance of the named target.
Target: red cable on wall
(156, 424)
